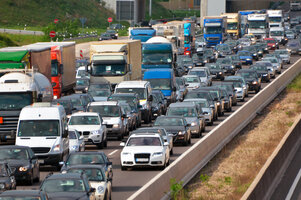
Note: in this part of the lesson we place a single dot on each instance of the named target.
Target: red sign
(56, 21)
(52, 34)
(81, 53)
(110, 19)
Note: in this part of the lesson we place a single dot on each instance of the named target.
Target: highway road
(125, 183)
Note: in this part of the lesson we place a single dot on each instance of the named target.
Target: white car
(76, 141)
(145, 150)
(89, 125)
(193, 82)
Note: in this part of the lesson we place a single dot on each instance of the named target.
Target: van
(144, 91)
(43, 128)
(164, 80)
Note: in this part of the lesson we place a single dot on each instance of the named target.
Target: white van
(43, 128)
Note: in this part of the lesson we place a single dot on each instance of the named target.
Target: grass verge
(232, 171)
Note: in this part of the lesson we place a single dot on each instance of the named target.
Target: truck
(295, 5)
(142, 33)
(258, 25)
(278, 34)
(215, 30)
(188, 38)
(63, 67)
(29, 56)
(17, 90)
(233, 25)
(158, 52)
(243, 19)
(115, 61)
(275, 18)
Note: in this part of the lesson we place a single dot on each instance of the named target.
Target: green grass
(34, 13)
(19, 40)
(158, 11)
(295, 85)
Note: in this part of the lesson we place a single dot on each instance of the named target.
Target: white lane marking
(293, 187)
(112, 152)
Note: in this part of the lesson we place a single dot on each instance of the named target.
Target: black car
(216, 71)
(162, 100)
(112, 33)
(233, 45)
(262, 71)
(229, 87)
(236, 61)
(259, 49)
(23, 195)
(105, 36)
(79, 101)
(7, 178)
(187, 63)
(68, 186)
(198, 60)
(157, 107)
(22, 161)
(209, 55)
(252, 78)
(227, 65)
(88, 158)
(67, 104)
(253, 51)
(82, 85)
(177, 126)
(223, 50)
(215, 92)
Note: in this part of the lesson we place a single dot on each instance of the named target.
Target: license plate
(141, 159)
(41, 161)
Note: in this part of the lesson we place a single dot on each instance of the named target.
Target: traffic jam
(159, 90)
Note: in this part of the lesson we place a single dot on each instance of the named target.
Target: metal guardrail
(79, 38)
(191, 162)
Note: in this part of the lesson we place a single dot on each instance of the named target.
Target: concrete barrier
(270, 174)
(190, 162)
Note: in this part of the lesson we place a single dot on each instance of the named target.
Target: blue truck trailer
(142, 34)
(243, 15)
(215, 30)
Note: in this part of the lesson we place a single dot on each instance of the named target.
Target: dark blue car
(245, 57)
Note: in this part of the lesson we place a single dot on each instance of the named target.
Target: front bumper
(50, 159)
(140, 161)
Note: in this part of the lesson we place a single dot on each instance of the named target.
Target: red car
(272, 43)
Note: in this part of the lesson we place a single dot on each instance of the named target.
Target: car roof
(104, 103)
(181, 104)
(177, 117)
(87, 153)
(145, 135)
(85, 114)
(125, 94)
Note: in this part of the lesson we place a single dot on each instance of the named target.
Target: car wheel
(123, 168)
(189, 140)
(37, 179)
(30, 180)
(100, 145)
(120, 136)
(146, 120)
(105, 143)
(211, 123)
(171, 151)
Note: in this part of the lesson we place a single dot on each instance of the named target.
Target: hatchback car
(76, 141)
(252, 78)
(192, 81)
(23, 195)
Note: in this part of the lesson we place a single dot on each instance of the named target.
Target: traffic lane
(125, 183)
(288, 178)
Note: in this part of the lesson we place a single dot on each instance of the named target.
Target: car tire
(211, 123)
(37, 179)
(171, 151)
(105, 143)
(120, 137)
(100, 145)
(123, 168)
(189, 140)
(30, 180)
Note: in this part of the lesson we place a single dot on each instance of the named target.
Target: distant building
(127, 10)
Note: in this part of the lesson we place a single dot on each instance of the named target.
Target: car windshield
(180, 81)
(182, 111)
(275, 19)
(213, 30)
(191, 79)
(13, 154)
(76, 102)
(84, 120)
(156, 57)
(108, 69)
(259, 67)
(198, 73)
(280, 51)
(140, 91)
(232, 26)
(38, 128)
(14, 100)
(92, 174)
(82, 82)
(271, 41)
(163, 121)
(215, 66)
(63, 185)
(160, 84)
(214, 93)
(105, 110)
(224, 61)
(243, 53)
(272, 60)
(144, 141)
(21, 198)
(293, 44)
(86, 159)
(257, 24)
(99, 93)
(237, 84)
(208, 52)
(276, 33)
(99, 86)
(193, 95)
(82, 73)
(131, 100)
(247, 74)
(223, 48)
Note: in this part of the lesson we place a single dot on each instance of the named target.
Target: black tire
(146, 120)
(189, 140)
(123, 168)
(120, 136)
(211, 123)
(37, 179)
(30, 180)
(171, 152)
(105, 143)
(100, 145)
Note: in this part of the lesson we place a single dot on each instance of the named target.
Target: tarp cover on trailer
(16, 56)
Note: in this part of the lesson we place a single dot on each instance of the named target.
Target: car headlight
(126, 153)
(264, 75)
(189, 67)
(254, 54)
(193, 124)
(248, 59)
(157, 154)
(218, 103)
(95, 132)
(100, 189)
(23, 169)
(116, 125)
(254, 82)
(57, 147)
(2, 186)
(74, 147)
(273, 45)
(266, 49)
(232, 66)
(220, 72)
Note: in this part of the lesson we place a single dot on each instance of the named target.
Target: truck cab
(142, 34)
(258, 25)
(278, 34)
(275, 18)
(215, 30)
(164, 80)
(43, 128)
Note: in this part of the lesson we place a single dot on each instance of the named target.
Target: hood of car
(172, 129)
(111, 120)
(142, 149)
(84, 127)
(17, 163)
(67, 195)
(245, 57)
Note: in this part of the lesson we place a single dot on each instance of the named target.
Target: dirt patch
(232, 171)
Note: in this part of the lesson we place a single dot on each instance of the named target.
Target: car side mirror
(170, 135)
(81, 137)
(122, 144)
(166, 144)
(92, 190)
(62, 69)
(61, 163)
(150, 98)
